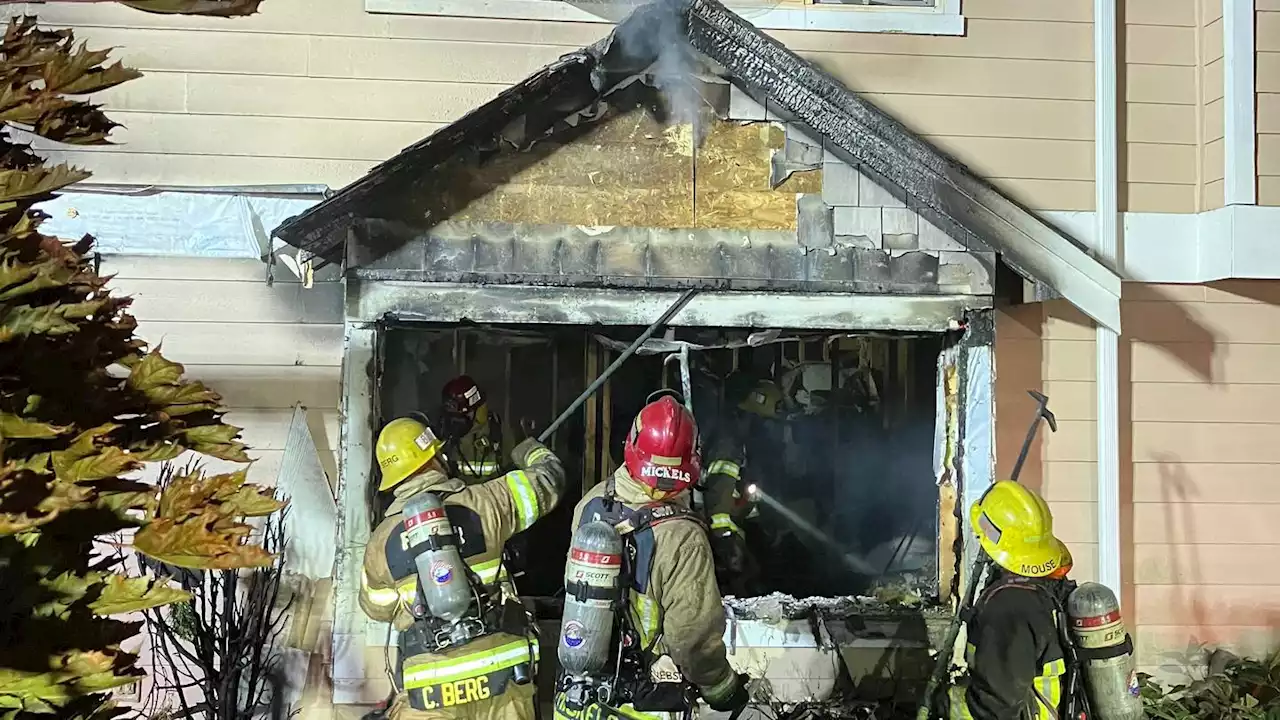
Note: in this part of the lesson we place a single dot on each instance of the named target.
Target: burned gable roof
(940, 189)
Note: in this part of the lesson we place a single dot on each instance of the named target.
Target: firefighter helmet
(464, 405)
(1015, 528)
(763, 400)
(662, 448)
(404, 447)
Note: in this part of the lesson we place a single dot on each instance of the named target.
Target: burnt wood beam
(941, 189)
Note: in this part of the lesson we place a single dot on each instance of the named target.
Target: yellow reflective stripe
(645, 617)
(536, 455)
(469, 666)
(722, 689)
(725, 467)
(407, 590)
(382, 597)
(958, 704)
(487, 571)
(722, 521)
(526, 499)
(1049, 689)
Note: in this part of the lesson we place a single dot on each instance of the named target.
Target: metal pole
(676, 307)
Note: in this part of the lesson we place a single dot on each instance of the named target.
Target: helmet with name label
(1014, 527)
(661, 451)
(404, 447)
(463, 406)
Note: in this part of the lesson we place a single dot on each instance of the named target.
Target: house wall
(264, 348)
(293, 95)
(1267, 85)
(1212, 118)
(1199, 413)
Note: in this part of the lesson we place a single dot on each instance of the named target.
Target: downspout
(1240, 185)
(1106, 215)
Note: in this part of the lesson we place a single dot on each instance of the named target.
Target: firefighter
(1017, 664)
(675, 614)
(473, 436)
(726, 499)
(490, 672)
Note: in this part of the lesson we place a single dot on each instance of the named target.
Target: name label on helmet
(666, 473)
(1043, 568)
(425, 440)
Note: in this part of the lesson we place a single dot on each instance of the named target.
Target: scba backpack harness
(607, 660)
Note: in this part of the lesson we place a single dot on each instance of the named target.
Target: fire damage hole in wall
(848, 501)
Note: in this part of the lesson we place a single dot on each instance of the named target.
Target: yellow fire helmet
(1015, 528)
(404, 446)
(763, 400)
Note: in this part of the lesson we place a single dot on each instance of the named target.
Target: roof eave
(942, 190)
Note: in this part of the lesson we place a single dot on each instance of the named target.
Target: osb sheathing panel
(633, 171)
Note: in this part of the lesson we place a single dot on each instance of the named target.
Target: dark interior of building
(845, 469)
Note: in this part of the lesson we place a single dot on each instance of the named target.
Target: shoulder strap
(655, 514)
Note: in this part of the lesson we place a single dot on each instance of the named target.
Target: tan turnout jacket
(453, 679)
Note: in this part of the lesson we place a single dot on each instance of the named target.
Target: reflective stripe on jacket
(680, 613)
(504, 506)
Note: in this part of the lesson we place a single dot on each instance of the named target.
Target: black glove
(729, 550)
(735, 701)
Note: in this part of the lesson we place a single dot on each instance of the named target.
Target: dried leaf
(124, 595)
(231, 452)
(217, 433)
(25, 184)
(157, 451)
(12, 426)
(201, 543)
(111, 462)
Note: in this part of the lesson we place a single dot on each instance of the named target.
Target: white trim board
(1237, 241)
(1240, 174)
(1106, 220)
(1234, 242)
(943, 19)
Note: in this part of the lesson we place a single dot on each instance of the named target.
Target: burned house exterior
(529, 241)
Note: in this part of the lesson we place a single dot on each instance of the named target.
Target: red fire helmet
(461, 395)
(662, 447)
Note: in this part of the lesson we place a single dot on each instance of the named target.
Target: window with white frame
(919, 17)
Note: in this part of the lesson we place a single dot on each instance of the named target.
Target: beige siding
(293, 95)
(1268, 90)
(1200, 396)
(1212, 161)
(264, 348)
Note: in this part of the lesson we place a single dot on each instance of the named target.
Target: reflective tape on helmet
(525, 497)
(470, 665)
(725, 467)
(723, 521)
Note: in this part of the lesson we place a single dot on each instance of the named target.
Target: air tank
(591, 590)
(442, 574)
(1110, 672)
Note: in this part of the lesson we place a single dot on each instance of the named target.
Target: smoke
(656, 31)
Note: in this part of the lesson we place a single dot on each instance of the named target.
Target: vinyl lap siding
(293, 95)
(1268, 90)
(1201, 399)
(262, 348)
